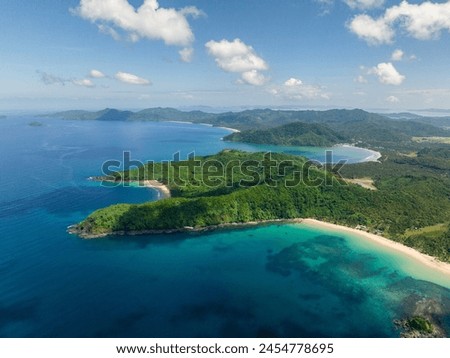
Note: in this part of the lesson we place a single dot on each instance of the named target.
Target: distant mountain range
(313, 127)
(436, 121)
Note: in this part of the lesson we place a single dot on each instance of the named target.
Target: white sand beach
(427, 260)
(160, 187)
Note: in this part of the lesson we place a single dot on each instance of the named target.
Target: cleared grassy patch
(443, 140)
(433, 230)
(366, 183)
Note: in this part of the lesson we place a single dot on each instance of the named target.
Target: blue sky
(91, 54)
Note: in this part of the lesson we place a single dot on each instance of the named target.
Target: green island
(409, 203)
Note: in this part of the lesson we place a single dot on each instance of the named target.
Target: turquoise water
(276, 280)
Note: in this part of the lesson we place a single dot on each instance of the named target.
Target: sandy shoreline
(205, 124)
(427, 260)
(231, 129)
(373, 157)
(163, 190)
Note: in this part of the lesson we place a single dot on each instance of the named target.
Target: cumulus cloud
(387, 74)
(296, 89)
(129, 78)
(237, 57)
(148, 21)
(423, 21)
(397, 55)
(96, 74)
(392, 99)
(373, 31)
(253, 78)
(291, 82)
(85, 82)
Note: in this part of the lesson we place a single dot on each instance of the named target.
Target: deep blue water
(277, 280)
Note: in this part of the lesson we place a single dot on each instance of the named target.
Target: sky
(388, 55)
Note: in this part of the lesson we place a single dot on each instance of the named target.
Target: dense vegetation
(338, 126)
(411, 203)
(410, 196)
(313, 127)
(293, 134)
(416, 193)
(355, 123)
(420, 324)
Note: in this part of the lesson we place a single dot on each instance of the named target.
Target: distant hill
(292, 134)
(443, 122)
(106, 114)
(249, 119)
(151, 115)
(379, 131)
(402, 116)
(355, 125)
(338, 126)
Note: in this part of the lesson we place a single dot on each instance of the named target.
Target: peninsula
(234, 188)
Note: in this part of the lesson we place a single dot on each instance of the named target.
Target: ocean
(287, 280)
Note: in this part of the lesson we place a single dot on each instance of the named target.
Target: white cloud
(293, 82)
(295, 89)
(392, 99)
(235, 56)
(84, 83)
(96, 74)
(186, 54)
(131, 79)
(373, 31)
(253, 77)
(397, 55)
(364, 4)
(387, 74)
(423, 21)
(148, 21)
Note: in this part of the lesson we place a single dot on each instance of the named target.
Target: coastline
(72, 229)
(230, 129)
(373, 157)
(234, 130)
(424, 259)
(162, 189)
